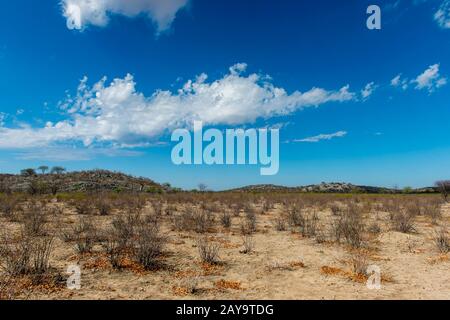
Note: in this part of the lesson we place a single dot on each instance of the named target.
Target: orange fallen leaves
(224, 284)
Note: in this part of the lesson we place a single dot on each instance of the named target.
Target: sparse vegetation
(157, 236)
(442, 240)
(208, 251)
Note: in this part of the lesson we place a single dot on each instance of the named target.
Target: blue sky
(320, 54)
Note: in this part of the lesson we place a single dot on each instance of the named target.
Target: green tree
(58, 170)
(43, 169)
(29, 172)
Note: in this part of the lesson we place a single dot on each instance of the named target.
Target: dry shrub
(84, 235)
(413, 208)
(183, 221)
(208, 251)
(83, 207)
(148, 245)
(237, 208)
(248, 244)
(404, 222)
(42, 249)
(374, 228)
(321, 236)
(280, 223)
(8, 206)
(295, 217)
(103, 206)
(123, 228)
(26, 255)
(308, 227)
(350, 227)
(335, 209)
(33, 218)
(203, 220)
(225, 220)
(359, 263)
(114, 251)
(16, 254)
(248, 225)
(442, 241)
(433, 211)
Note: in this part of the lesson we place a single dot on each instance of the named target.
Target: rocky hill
(95, 180)
(333, 187)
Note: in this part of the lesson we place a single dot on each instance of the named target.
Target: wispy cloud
(429, 80)
(119, 115)
(397, 81)
(321, 137)
(442, 16)
(82, 13)
(368, 90)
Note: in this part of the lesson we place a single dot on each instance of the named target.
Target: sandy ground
(283, 265)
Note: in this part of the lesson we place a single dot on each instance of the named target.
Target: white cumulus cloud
(321, 137)
(430, 79)
(82, 13)
(119, 115)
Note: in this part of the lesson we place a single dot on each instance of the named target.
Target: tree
(43, 169)
(202, 187)
(443, 187)
(30, 172)
(58, 170)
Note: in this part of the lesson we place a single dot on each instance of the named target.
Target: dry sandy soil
(282, 264)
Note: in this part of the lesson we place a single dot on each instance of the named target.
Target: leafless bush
(225, 219)
(404, 222)
(183, 221)
(321, 236)
(413, 208)
(8, 205)
(280, 223)
(308, 227)
(359, 263)
(335, 209)
(83, 207)
(350, 227)
(442, 241)
(209, 252)
(203, 220)
(103, 207)
(251, 220)
(237, 208)
(41, 254)
(374, 228)
(17, 254)
(157, 208)
(248, 224)
(33, 218)
(84, 235)
(113, 250)
(295, 217)
(444, 188)
(123, 228)
(148, 245)
(248, 244)
(432, 211)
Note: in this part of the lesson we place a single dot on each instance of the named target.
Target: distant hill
(333, 187)
(94, 180)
